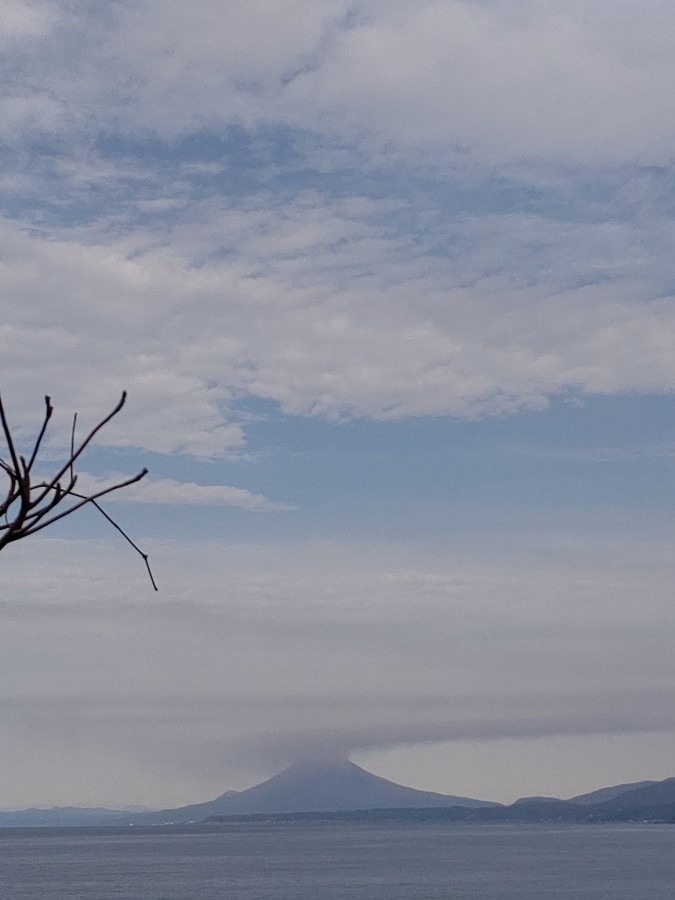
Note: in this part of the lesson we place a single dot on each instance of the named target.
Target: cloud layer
(254, 655)
(521, 249)
(502, 80)
(317, 306)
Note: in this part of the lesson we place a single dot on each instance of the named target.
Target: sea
(329, 861)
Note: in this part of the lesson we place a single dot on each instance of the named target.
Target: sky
(390, 287)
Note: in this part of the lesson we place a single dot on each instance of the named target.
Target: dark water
(341, 862)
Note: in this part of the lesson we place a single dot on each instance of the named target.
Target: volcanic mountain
(313, 788)
(348, 793)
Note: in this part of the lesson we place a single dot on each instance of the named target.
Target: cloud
(217, 62)
(500, 81)
(318, 304)
(26, 20)
(253, 652)
(375, 723)
(199, 282)
(168, 491)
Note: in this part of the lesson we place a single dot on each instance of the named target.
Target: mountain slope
(609, 793)
(647, 796)
(315, 788)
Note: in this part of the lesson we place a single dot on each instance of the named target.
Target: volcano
(314, 788)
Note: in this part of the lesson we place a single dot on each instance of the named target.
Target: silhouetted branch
(126, 537)
(30, 506)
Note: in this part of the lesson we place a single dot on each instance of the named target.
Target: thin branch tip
(28, 507)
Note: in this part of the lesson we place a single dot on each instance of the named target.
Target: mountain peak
(311, 767)
(318, 786)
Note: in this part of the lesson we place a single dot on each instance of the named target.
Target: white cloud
(320, 305)
(505, 81)
(210, 62)
(335, 307)
(168, 491)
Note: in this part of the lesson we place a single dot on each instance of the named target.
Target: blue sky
(390, 288)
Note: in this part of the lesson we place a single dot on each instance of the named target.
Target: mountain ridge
(346, 792)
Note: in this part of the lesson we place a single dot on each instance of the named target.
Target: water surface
(341, 862)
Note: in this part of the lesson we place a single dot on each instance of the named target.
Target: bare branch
(8, 436)
(72, 446)
(128, 539)
(84, 499)
(30, 506)
(49, 409)
(77, 453)
(12, 492)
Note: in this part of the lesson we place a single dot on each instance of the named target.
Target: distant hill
(347, 792)
(66, 816)
(609, 793)
(657, 794)
(313, 788)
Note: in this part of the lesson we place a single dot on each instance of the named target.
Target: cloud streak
(169, 491)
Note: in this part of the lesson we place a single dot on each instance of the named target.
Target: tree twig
(30, 506)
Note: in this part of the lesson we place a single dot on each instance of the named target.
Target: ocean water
(340, 862)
